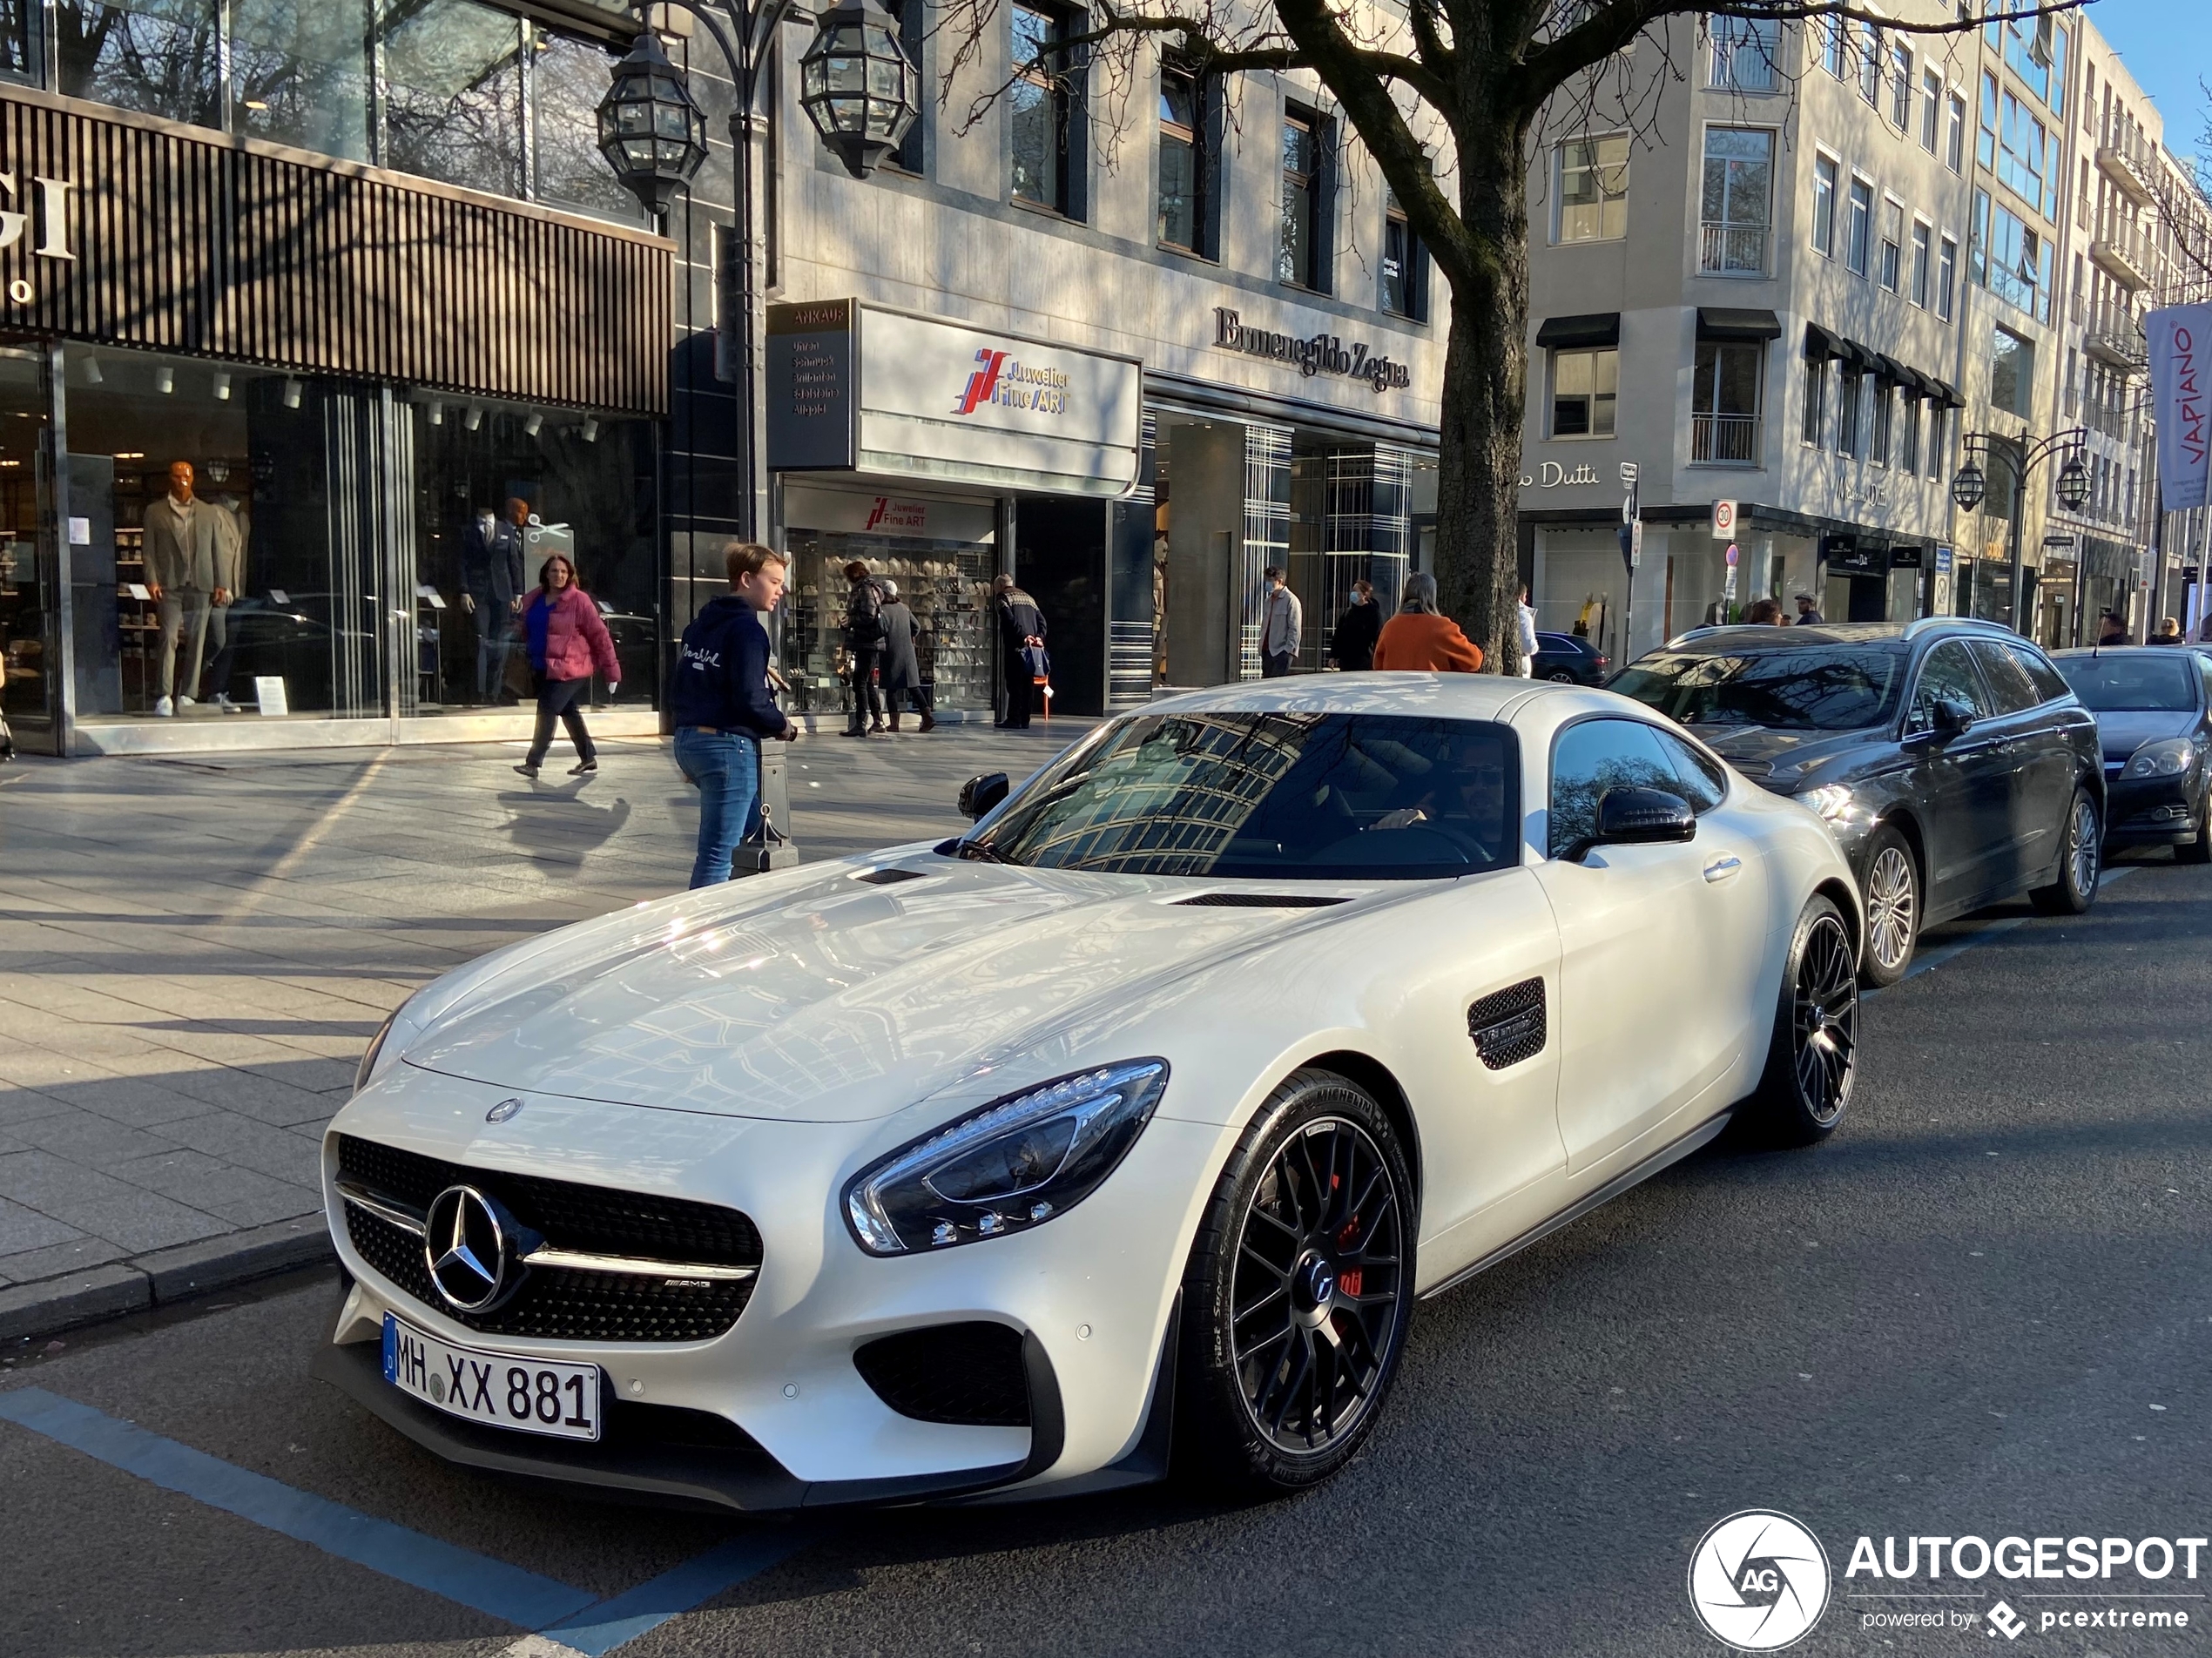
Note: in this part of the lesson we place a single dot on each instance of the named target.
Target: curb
(162, 1277)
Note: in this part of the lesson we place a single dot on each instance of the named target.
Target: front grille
(969, 1374)
(1265, 900)
(559, 1304)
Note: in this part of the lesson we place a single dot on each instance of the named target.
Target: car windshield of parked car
(1269, 795)
(2117, 684)
(1841, 688)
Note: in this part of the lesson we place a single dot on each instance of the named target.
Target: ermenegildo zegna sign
(144, 232)
(859, 388)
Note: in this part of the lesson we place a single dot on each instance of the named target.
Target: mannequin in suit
(491, 588)
(232, 528)
(183, 564)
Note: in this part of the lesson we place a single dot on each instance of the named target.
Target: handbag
(1039, 658)
(519, 677)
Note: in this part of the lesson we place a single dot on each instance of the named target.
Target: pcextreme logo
(1758, 1580)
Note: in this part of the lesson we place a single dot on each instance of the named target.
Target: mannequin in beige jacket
(185, 573)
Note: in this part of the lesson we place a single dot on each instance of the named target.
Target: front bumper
(2149, 812)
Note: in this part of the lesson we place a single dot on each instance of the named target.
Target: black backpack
(864, 615)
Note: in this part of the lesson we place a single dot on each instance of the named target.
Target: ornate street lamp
(857, 84)
(1968, 488)
(2021, 458)
(2073, 484)
(652, 131)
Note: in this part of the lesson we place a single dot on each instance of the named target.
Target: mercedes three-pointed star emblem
(469, 1239)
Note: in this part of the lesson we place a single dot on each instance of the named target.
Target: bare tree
(1484, 72)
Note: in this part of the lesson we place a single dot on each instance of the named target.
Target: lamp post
(858, 87)
(2021, 458)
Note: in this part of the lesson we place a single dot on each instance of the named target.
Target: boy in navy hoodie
(720, 703)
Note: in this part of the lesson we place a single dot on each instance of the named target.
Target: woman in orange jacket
(1418, 639)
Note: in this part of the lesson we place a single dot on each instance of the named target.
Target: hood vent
(1264, 900)
(890, 876)
(1754, 768)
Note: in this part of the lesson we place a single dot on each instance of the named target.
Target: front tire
(2080, 861)
(1893, 909)
(1812, 1059)
(2199, 850)
(1297, 1294)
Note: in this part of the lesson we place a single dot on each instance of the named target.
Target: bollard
(770, 846)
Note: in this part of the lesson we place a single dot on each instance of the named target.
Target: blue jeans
(725, 766)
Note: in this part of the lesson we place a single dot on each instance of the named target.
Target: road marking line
(459, 1575)
(1930, 961)
(599, 1629)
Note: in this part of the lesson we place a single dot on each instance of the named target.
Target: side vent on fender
(1508, 1025)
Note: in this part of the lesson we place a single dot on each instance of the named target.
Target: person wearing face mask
(567, 641)
(491, 586)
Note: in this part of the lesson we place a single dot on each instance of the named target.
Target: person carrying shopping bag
(720, 703)
(566, 640)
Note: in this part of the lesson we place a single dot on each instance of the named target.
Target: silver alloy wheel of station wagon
(1893, 908)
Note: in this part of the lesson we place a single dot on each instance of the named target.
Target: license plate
(503, 1390)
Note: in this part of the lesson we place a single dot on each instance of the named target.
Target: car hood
(1783, 760)
(2123, 731)
(827, 998)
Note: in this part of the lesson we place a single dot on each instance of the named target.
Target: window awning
(1820, 343)
(1720, 322)
(1949, 394)
(1598, 328)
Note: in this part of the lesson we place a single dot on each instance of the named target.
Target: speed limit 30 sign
(1724, 521)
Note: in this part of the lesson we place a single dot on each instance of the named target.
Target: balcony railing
(2114, 338)
(2126, 159)
(1732, 250)
(2124, 253)
(1729, 439)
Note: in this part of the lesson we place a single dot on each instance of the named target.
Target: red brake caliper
(1349, 1278)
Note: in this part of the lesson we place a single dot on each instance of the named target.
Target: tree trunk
(1478, 495)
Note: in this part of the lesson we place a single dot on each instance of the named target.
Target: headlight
(1831, 800)
(372, 1058)
(1012, 1165)
(2169, 756)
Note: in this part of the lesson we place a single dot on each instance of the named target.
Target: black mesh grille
(892, 877)
(558, 1304)
(1264, 901)
(1508, 1025)
(970, 1374)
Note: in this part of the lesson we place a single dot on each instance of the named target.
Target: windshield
(1275, 796)
(2117, 684)
(1844, 688)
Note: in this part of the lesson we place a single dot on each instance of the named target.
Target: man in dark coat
(1353, 642)
(864, 648)
(1021, 626)
(902, 662)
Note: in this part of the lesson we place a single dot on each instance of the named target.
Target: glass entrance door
(32, 657)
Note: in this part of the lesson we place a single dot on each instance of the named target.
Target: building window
(913, 153)
(1847, 412)
(450, 88)
(1892, 242)
(158, 58)
(2021, 149)
(1745, 51)
(2072, 364)
(1404, 265)
(1725, 403)
(1859, 227)
(2018, 267)
(1185, 158)
(1037, 112)
(1816, 412)
(1734, 201)
(1302, 258)
(1823, 205)
(1986, 141)
(1877, 451)
(1938, 415)
(1946, 277)
(1954, 134)
(1592, 190)
(1921, 236)
(1908, 458)
(1931, 107)
(299, 73)
(1584, 387)
(1870, 64)
(567, 78)
(1901, 86)
(2011, 372)
(1838, 45)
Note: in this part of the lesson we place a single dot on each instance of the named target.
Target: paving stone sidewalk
(193, 953)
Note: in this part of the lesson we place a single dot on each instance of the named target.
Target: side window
(2008, 681)
(1946, 672)
(1703, 784)
(2050, 684)
(1594, 757)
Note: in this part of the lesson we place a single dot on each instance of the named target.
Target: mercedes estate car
(1952, 761)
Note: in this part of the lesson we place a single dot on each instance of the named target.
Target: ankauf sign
(2180, 337)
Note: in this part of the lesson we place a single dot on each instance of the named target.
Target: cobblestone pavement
(193, 953)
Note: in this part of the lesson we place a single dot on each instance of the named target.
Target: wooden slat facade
(205, 245)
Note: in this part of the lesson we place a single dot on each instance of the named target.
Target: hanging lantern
(857, 84)
(2073, 484)
(652, 131)
(1968, 488)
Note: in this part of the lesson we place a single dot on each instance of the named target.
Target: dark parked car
(1954, 763)
(2154, 709)
(1570, 657)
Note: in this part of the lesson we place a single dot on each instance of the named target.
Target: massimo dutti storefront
(282, 435)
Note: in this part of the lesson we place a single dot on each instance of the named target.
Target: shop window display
(25, 693)
(945, 584)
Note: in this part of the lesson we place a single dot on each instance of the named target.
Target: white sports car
(1134, 1122)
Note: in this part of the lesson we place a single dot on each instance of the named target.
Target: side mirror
(978, 795)
(1640, 818)
(1953, 717)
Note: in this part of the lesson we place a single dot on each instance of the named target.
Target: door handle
(1722, 868)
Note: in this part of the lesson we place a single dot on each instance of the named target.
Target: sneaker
(164, 709)
(186, 702)
(221, 700)
(584, 768)
(527, 768)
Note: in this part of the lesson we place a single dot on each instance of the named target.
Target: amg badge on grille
(1508, 1025)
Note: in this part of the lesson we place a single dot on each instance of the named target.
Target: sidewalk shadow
(553, 823)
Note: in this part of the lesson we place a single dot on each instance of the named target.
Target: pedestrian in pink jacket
(567, 642)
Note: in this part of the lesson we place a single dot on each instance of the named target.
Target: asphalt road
(1983, 1308)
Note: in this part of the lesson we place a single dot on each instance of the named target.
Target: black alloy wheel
(1299, 1291)
(2080, 855)
(1892, 892)
(1812, 1059)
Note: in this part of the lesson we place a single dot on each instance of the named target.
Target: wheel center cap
(1314, 1286)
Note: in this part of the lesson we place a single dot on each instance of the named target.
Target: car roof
(2120, 651)
(1436, 696)
(1803, 635)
